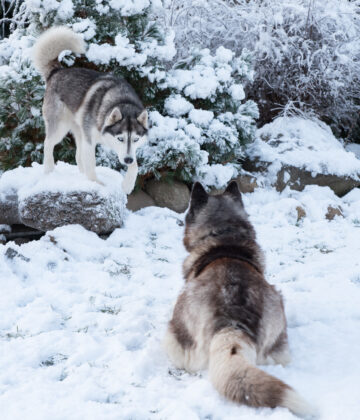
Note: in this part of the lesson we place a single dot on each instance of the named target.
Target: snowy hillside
(82, 318)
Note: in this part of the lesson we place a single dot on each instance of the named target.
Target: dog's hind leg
(174, 350)
(280, 351)
(88, 160)
(54, 135)
(277, 353)
(56, 127)
(75, 129)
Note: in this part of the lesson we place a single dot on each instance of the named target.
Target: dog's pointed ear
(114, 116)
(143, 118)
(199, 196)
(233, 191)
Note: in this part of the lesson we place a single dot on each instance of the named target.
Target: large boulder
(247, 183)
(9, 207)
(174, 195)
(138, 200)
(47, 210)
(296, 152)
(297, 179)
(63, 197)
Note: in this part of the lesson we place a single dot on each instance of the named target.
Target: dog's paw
(48, 169)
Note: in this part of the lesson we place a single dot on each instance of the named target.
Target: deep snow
(82, 319)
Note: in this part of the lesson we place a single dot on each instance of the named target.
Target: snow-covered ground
(82, 319)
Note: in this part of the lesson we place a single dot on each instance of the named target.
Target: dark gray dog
(228, 318)
(96, 107)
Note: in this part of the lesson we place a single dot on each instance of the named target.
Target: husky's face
(125, 134)
(216, 219)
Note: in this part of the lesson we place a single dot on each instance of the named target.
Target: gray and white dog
(228, 318)
(95, 107)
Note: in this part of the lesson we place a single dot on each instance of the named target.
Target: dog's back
(228, 318)
(73, 85)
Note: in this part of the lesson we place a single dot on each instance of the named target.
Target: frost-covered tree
(126, 37)
(205, 119)
(307, 52)
(8, 8)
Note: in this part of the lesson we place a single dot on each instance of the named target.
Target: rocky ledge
(44, 202)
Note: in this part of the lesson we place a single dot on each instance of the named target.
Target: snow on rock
(65, 196)
(295, 152)
(5, 229)
(303, 143)
(82, 319)
(9, 207)
(354, 148)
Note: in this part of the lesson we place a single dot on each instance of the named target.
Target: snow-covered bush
(306, 51)
(204, 121)
(197, 106)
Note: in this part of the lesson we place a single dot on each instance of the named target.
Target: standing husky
(228, 318)
(95, 107)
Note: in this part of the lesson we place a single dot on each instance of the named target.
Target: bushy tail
(235, 376)
(50, 44)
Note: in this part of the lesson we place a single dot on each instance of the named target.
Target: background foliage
(306, 52)
(130, 39)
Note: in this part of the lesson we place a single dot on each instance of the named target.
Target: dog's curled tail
(50, 44)
(235, 376)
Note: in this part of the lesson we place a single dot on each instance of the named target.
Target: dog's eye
(136, 139)
(120, 138)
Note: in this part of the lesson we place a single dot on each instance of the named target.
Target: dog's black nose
(128, 160)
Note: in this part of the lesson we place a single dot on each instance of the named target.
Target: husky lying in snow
(228, 318)
(96, 107)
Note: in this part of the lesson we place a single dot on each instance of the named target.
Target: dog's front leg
(89, 161)
(48, 156)
(130, 178)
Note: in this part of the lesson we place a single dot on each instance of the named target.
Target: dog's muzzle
(128, 160)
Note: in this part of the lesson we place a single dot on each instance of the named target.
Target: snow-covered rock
(139, 200)
(355, 148)
(298, 178)
(5, 229)
(295, 152)
(9, 205)
(62, 197)
(174, 195)
(247, 183)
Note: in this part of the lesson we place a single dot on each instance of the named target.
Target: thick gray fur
(228, 318)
